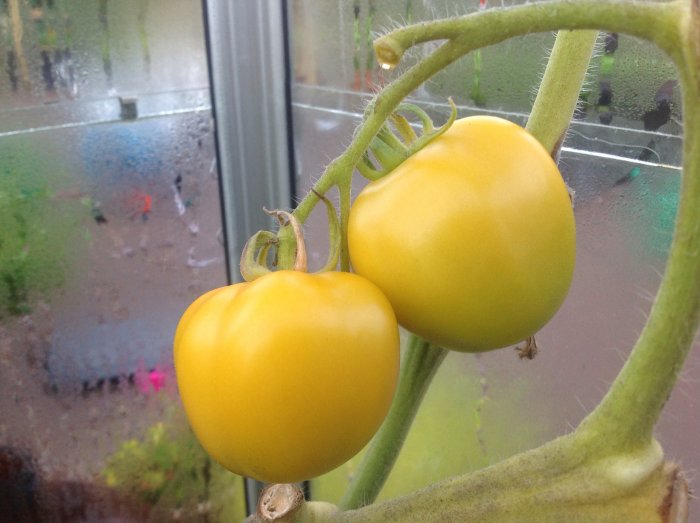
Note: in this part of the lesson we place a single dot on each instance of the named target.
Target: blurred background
(139, 141)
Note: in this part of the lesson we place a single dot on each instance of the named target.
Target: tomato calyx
(254, 258)
(288, 244)
(396, 140)
(255, 253)
(291, 248)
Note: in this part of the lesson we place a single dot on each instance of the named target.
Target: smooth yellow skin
(472, 239)
(287, 377)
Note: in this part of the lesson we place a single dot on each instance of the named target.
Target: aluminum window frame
(249, 78)
(251, 104)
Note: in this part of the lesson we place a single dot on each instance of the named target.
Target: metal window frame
(248, 64)
(249, 78)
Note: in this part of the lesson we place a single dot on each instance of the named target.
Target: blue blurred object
(124, 156)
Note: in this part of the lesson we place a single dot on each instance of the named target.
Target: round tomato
(472, 238)
(288, 376)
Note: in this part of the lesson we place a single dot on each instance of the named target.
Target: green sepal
(386, 154)
(426, 121)
(387, 147)
(430, 133)
(393, 141)
(254, 255)
(334, 234)
(403, 128)
(291, 250)
(366, 168)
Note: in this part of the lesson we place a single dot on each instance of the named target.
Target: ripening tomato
(288, 376)
(472, 238)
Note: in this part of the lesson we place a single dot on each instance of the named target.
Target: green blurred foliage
(466, 422)
(34, 231)
(169, 470)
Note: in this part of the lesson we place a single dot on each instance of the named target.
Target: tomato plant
(288, 376)
(469, 232)
(472, 238)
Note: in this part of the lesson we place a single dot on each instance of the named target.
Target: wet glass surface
(111, 225)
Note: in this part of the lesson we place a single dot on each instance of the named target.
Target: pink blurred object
(157, 379)
(149, 381)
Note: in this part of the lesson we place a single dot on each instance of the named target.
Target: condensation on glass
(621, 158)
(110, 225)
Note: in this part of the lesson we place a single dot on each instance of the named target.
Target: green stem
(655, 21)
(550, 484)
(559, 91)
(344, 188)
(419, 365)
(380, 109)
(629, 411)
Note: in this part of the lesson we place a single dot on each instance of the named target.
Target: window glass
(111, 226)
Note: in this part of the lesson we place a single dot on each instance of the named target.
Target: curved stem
(632, 406)
(420, 363)
(655, 21)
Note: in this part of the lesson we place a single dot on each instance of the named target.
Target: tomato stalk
(418, 367)
(634, 402)
(560, 87)
(653, 21)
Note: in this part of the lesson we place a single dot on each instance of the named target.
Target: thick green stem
(420, 363)
(655, 21)
(560, 88)
(551, 484)
(629, 411)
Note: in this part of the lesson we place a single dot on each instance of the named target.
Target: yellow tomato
(472, 239)
(288, 376)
